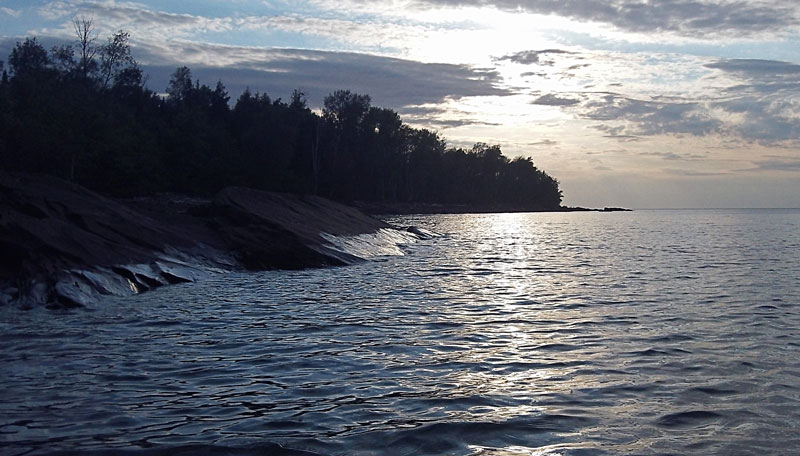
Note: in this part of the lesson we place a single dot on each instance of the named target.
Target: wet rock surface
(61, 244)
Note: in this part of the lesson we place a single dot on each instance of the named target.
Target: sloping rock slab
(63, 244)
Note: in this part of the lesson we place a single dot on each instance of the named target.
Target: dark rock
(63, 244)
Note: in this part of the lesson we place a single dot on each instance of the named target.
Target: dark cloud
(424, 111)
(532, 57)
(697, 18)
(700, 18)
(779, 164)
(693, 173)
(610, 131)
(554, 100)
(391, 82)
(531, 73)
(760, 76)
(653, 117)
(318, 73)
(433, 117)
(755, 68)
(579, 66)
(766, 125)
(616, 132)
(674, 156)
(544, 142)
(768, 99)
(761, 111)
(455, 123)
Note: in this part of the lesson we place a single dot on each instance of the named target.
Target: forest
(83, 112)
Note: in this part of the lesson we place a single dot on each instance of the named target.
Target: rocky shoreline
(63, 245)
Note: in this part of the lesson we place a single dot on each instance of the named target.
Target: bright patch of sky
(621, 101)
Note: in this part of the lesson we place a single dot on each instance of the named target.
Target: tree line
(83, 112)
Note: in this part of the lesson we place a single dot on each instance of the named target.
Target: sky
(634, 103)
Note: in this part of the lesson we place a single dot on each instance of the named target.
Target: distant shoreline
(435, 208)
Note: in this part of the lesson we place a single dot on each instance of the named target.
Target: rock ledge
(63, 245)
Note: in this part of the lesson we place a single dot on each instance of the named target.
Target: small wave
(659, 352)
(688, 419)
(368, 246)
(455, 437)
(557, 347)
(713, 391)
(669, 338)
(198, 450)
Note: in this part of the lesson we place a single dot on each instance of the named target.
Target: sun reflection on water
(512, 334)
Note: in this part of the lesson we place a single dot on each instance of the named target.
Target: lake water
(651, 332)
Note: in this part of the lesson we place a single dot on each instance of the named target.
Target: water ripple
(549, 334)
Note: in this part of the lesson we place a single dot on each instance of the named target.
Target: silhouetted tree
(298, 100)
(180, 84)
(86, 36)
(83, 112)
(425, 169)
(130, 77)
(28, 59)
(115, 57)
(344, 113)
(382, 162)
(63, 57)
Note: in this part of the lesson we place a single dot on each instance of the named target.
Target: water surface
(652, 332)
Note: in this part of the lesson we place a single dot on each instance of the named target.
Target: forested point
(83, 112)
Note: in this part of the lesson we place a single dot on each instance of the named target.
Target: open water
(652, 332)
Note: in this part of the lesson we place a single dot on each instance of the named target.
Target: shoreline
(388, 209)
(63, 245)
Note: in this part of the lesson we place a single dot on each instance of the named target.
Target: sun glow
(476, 35)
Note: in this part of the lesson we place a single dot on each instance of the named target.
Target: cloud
(162, 41)
(579, 66)
(279, 71)
(110, 13)
(336, 30)
(759, 76)
(10, 12)
(318, 73)
(616, 132)
(544, 142)
(532, 57)
(788, 164)
(537, 74)
(555, 100)
(422, 111)
(439, 117)
(756, 68)
(766, 99)
(673, 156)
(696, 18)
(693, 173)
(762, 76)
(652, 117)
(452, 123)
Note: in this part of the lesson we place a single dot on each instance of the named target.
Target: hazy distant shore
(429, 208)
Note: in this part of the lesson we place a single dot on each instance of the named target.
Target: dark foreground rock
(61, 244)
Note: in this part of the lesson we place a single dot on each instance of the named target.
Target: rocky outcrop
(61, 244)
